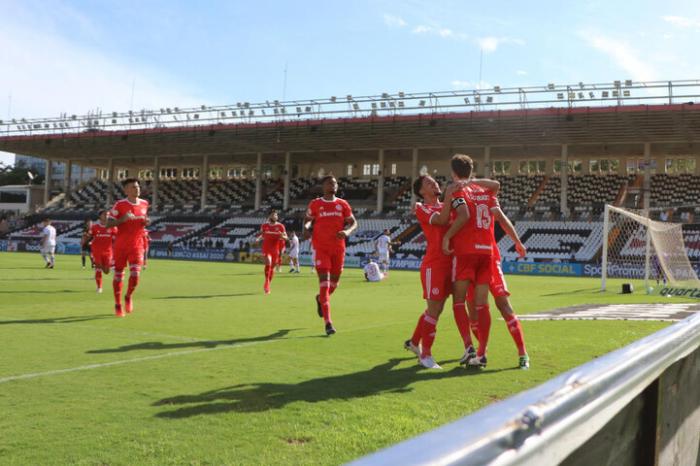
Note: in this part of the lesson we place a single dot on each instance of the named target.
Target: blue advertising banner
(564, 269)
(3, 245)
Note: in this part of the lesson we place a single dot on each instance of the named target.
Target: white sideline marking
(125, 361)
(34, 375)
(112, 329)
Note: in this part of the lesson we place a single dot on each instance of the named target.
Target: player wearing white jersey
(294, 253)
(372, 272)
(48, 243)
(383, 250)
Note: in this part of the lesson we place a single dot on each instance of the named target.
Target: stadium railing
(635, 406)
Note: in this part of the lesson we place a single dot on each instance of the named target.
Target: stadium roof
(397, 122)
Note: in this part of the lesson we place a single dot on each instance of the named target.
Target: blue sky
(74, 56)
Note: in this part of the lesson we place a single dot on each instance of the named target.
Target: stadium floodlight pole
(604, 262)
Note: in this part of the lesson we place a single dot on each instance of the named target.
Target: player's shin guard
(324, 298)
(462, 320)
(134, 272)
(428, 335)
(418, 332)
(516, 331)
(484, 328)
(117, 285)
(98, 278)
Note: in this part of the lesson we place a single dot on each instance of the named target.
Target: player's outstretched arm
(509, 229)
(492, 185)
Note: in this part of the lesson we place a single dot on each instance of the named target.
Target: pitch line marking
(33, 375)
(111, 329)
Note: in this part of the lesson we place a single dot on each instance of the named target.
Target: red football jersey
(130, 233)
(102, 237)
(271, 233)
(329, 218)
(476, 236)
(433, 234)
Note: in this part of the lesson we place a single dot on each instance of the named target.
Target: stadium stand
(555, 240)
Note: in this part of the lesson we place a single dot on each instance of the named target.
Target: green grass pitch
(208, 370)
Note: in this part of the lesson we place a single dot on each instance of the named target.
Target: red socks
(462, 321)
(117, 284)
(98, 278)
(428, 335)
(324, 299)
(332, 286)
(418, 332)
(484, 328)
(516, 331)
(133, 279)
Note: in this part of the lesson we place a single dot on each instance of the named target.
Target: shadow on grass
(156, 345)
(260, 397)
(56, 320)
(41, 291)
(208, 296)
(569, 292)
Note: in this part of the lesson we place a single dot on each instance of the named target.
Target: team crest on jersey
(436, 290)
(338, 207)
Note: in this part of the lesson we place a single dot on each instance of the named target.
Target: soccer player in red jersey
(101, 253)
(470, 239)
(332, 222)
(499, 288)
(130, 216)
(271, 233)
(435, 270)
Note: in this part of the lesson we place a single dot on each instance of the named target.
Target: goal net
(649, 251)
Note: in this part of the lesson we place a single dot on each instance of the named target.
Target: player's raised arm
(509, 229)
(443, 218)
(492, 185)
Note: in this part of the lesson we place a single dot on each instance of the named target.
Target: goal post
(637, 248)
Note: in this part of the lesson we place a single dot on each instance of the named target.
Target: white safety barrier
(637, 405)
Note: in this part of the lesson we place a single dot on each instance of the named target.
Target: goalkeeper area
(208, 370)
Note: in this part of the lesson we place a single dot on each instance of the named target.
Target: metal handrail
(547, 423)
(617, 93)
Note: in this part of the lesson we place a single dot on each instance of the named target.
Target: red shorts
(102, 258)
(273, 254)
(134, 256)
(497, 285)
(437, 281)
(330, 259)
(476, 268)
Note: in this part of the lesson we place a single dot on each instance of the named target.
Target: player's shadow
(56, 320)
(40, 292)
(157, 345)
(260, 397)
(208, 296)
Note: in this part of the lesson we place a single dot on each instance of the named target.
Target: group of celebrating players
(461, 258)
